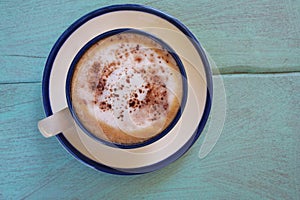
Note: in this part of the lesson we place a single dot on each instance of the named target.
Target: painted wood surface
(241, 36)
(257, 155)
(256, 45)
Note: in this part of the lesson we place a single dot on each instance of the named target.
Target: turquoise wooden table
(256, 46)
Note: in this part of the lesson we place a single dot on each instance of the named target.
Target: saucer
(193, 118)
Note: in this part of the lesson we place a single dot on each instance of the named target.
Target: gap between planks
(237, 74)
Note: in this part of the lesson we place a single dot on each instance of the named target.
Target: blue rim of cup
(108, 34)
(115, 8)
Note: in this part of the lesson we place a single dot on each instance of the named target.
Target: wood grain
(256, 46)
(256, 157)
(241, 36)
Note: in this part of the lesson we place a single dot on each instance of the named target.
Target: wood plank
(256, 157)
(241, 36)
(26, 155)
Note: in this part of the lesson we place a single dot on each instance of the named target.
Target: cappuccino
(126, 88)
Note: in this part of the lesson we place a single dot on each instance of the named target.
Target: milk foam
(129, 85)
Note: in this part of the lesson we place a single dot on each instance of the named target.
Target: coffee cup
(125, 88)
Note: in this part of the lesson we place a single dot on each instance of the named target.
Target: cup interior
(107, 34)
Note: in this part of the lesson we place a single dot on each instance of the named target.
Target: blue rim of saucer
(166, 47)
(46, 98)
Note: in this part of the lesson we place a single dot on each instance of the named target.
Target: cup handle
(56, 123)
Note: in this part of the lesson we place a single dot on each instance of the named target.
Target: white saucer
(193, 118)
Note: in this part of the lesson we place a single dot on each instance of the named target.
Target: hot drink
(126, 88)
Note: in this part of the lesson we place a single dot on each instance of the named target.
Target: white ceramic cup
(67, 117)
